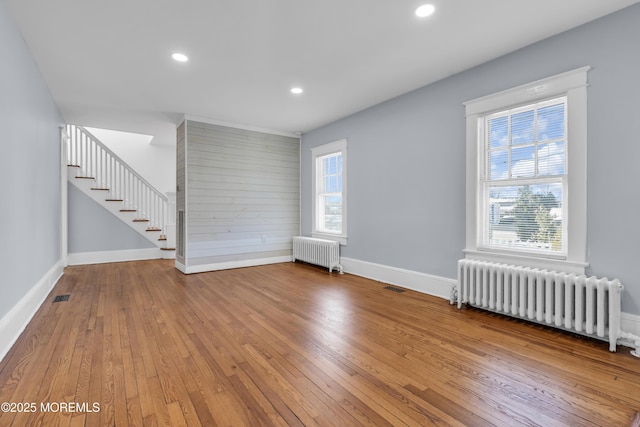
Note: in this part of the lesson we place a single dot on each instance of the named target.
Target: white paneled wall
(242, 194)
(181, 184)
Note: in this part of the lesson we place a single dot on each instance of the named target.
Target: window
(523, 181)
(329, 182)
(526, 174)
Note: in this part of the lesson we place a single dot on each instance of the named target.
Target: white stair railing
(110, 171)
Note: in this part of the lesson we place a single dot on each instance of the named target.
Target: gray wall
(92, 228)
(30, 171)
(407, 157)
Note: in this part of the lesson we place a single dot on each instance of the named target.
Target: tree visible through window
(329, 188)
(525, 154)
(330, 197)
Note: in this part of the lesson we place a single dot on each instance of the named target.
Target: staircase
(106, 178)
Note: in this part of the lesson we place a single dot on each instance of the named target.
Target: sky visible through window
(526, 162)
(527, 144)
(331, 197)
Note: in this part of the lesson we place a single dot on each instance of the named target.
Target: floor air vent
(60, 298)
(394, 289)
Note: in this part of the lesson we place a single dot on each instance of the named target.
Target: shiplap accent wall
(242, 196)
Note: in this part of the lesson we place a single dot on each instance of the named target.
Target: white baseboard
(231, 264)
(421, 282)
(13, 323)
(630, 323)
(180, 266)
(83, 258)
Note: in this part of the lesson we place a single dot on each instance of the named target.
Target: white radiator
(577, 303)
(325, 253)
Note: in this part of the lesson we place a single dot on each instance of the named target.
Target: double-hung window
(526, 174)
(523, 183)
(329, 189)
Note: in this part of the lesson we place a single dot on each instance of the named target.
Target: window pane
(499, 132)
(523, 162)
(499, 160)
(332, 165)
(551, 122)
(333, 185)
(332, 220)
(527, 216)
(522, 127)
(551, 159)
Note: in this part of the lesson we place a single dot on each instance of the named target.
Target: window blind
(525, 178)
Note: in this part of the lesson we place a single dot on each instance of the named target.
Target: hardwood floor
(139, 343)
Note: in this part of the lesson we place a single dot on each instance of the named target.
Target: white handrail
(111, 172)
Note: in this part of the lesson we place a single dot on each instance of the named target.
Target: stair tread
(161, 237)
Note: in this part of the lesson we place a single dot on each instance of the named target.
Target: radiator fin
(581, 304)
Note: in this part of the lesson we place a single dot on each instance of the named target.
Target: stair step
(163, 237)
(167, 249)
(140, 220)
(154, 229)
(100, 189)
(128, 210)
(114, 200)
(84, 177)
(73, 166)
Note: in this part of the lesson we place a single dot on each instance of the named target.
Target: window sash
(519, 164)
(535, 150)
(329, 199)
(525, 216)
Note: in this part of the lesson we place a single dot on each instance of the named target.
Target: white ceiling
(108, 62)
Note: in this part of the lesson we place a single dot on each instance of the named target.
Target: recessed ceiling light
(296, 90)
(425, 10)
(180, 57)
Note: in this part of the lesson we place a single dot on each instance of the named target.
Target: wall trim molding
(190, 269)
(16, 320)
(102, 257)
(421, 282)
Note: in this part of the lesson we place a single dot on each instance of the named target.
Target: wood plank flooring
(140, 344)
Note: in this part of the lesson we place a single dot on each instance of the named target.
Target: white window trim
(321, 151)
(572, 84)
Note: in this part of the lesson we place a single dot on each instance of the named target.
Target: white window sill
(328, 236)
(526, 260)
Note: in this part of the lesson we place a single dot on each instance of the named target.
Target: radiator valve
(454, 295)
(634, 339)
